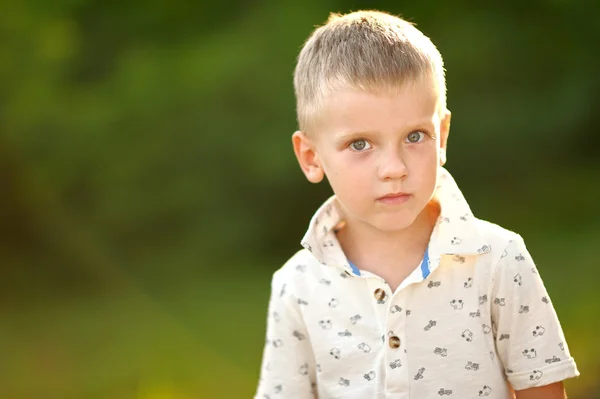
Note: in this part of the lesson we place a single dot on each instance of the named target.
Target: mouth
(394, 198)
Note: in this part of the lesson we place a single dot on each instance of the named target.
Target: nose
(392, 165)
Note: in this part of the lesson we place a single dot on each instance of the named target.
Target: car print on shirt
(344, 382)
(536, 375)
(301, 268)
(298, 335)
(456, 304)
(364, 347)
(433, 284)
(524, 309)
(383, 300)
(539, 331)
(395, 364)
(530, 353)
(459, 259)
(443, 352)
(325, 324)
(553, 359)
(328, 244)
(467, 335)
(355, 319)
(335, 352)
(276, 317)
(485, 391)
(432, 323)
(484, 248)
(443, 392)
(499, 301)
(518, 280)
(419, 375)
(395, 309)
(370, 376)
(472, 366)
(486, 329)
(482, 299)
(468, 283)
(303, 369)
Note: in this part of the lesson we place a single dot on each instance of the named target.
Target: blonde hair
(367, 50)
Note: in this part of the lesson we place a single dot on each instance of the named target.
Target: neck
(365, 245)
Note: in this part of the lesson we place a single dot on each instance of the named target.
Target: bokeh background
(149, 189)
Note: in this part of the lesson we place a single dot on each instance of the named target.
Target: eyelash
(416, 131)
(356, 141)
(349, 145)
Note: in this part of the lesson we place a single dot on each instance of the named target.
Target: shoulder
(509, 252)
(495, 233)
(299, 273)
(498, 237)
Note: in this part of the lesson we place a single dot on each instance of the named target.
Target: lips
(394, 198)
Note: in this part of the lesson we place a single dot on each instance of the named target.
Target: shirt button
(379, 294)
(394, 342)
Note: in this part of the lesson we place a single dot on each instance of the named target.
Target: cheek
(422, 160)
(424, 167)
(345, 175)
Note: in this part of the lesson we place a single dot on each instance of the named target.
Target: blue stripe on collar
(354, 268)
(425, 271)
(425, 264)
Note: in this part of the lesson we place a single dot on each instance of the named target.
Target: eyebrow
(354, 135)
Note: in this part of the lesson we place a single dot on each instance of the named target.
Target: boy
(400, 291)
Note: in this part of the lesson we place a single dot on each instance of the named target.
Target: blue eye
(415, 137)
(360, 145)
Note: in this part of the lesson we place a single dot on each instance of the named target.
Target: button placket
(395, 351)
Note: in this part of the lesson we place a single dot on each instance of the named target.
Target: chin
(394, 224)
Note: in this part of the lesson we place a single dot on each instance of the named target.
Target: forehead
(352, 110)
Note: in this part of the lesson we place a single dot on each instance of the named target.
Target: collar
(456, 231)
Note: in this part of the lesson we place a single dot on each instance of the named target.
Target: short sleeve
(529, 339)
(288, 365)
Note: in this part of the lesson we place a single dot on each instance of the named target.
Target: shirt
(473, 315)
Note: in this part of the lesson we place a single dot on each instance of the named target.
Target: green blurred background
(149, 189)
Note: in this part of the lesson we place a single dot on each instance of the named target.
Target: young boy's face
(380, 153)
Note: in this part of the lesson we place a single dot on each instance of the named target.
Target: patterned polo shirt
(473, 316)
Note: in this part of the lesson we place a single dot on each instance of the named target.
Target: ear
(444, 132)
(305, 151)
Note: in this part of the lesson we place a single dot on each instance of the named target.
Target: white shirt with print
(471, 316)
